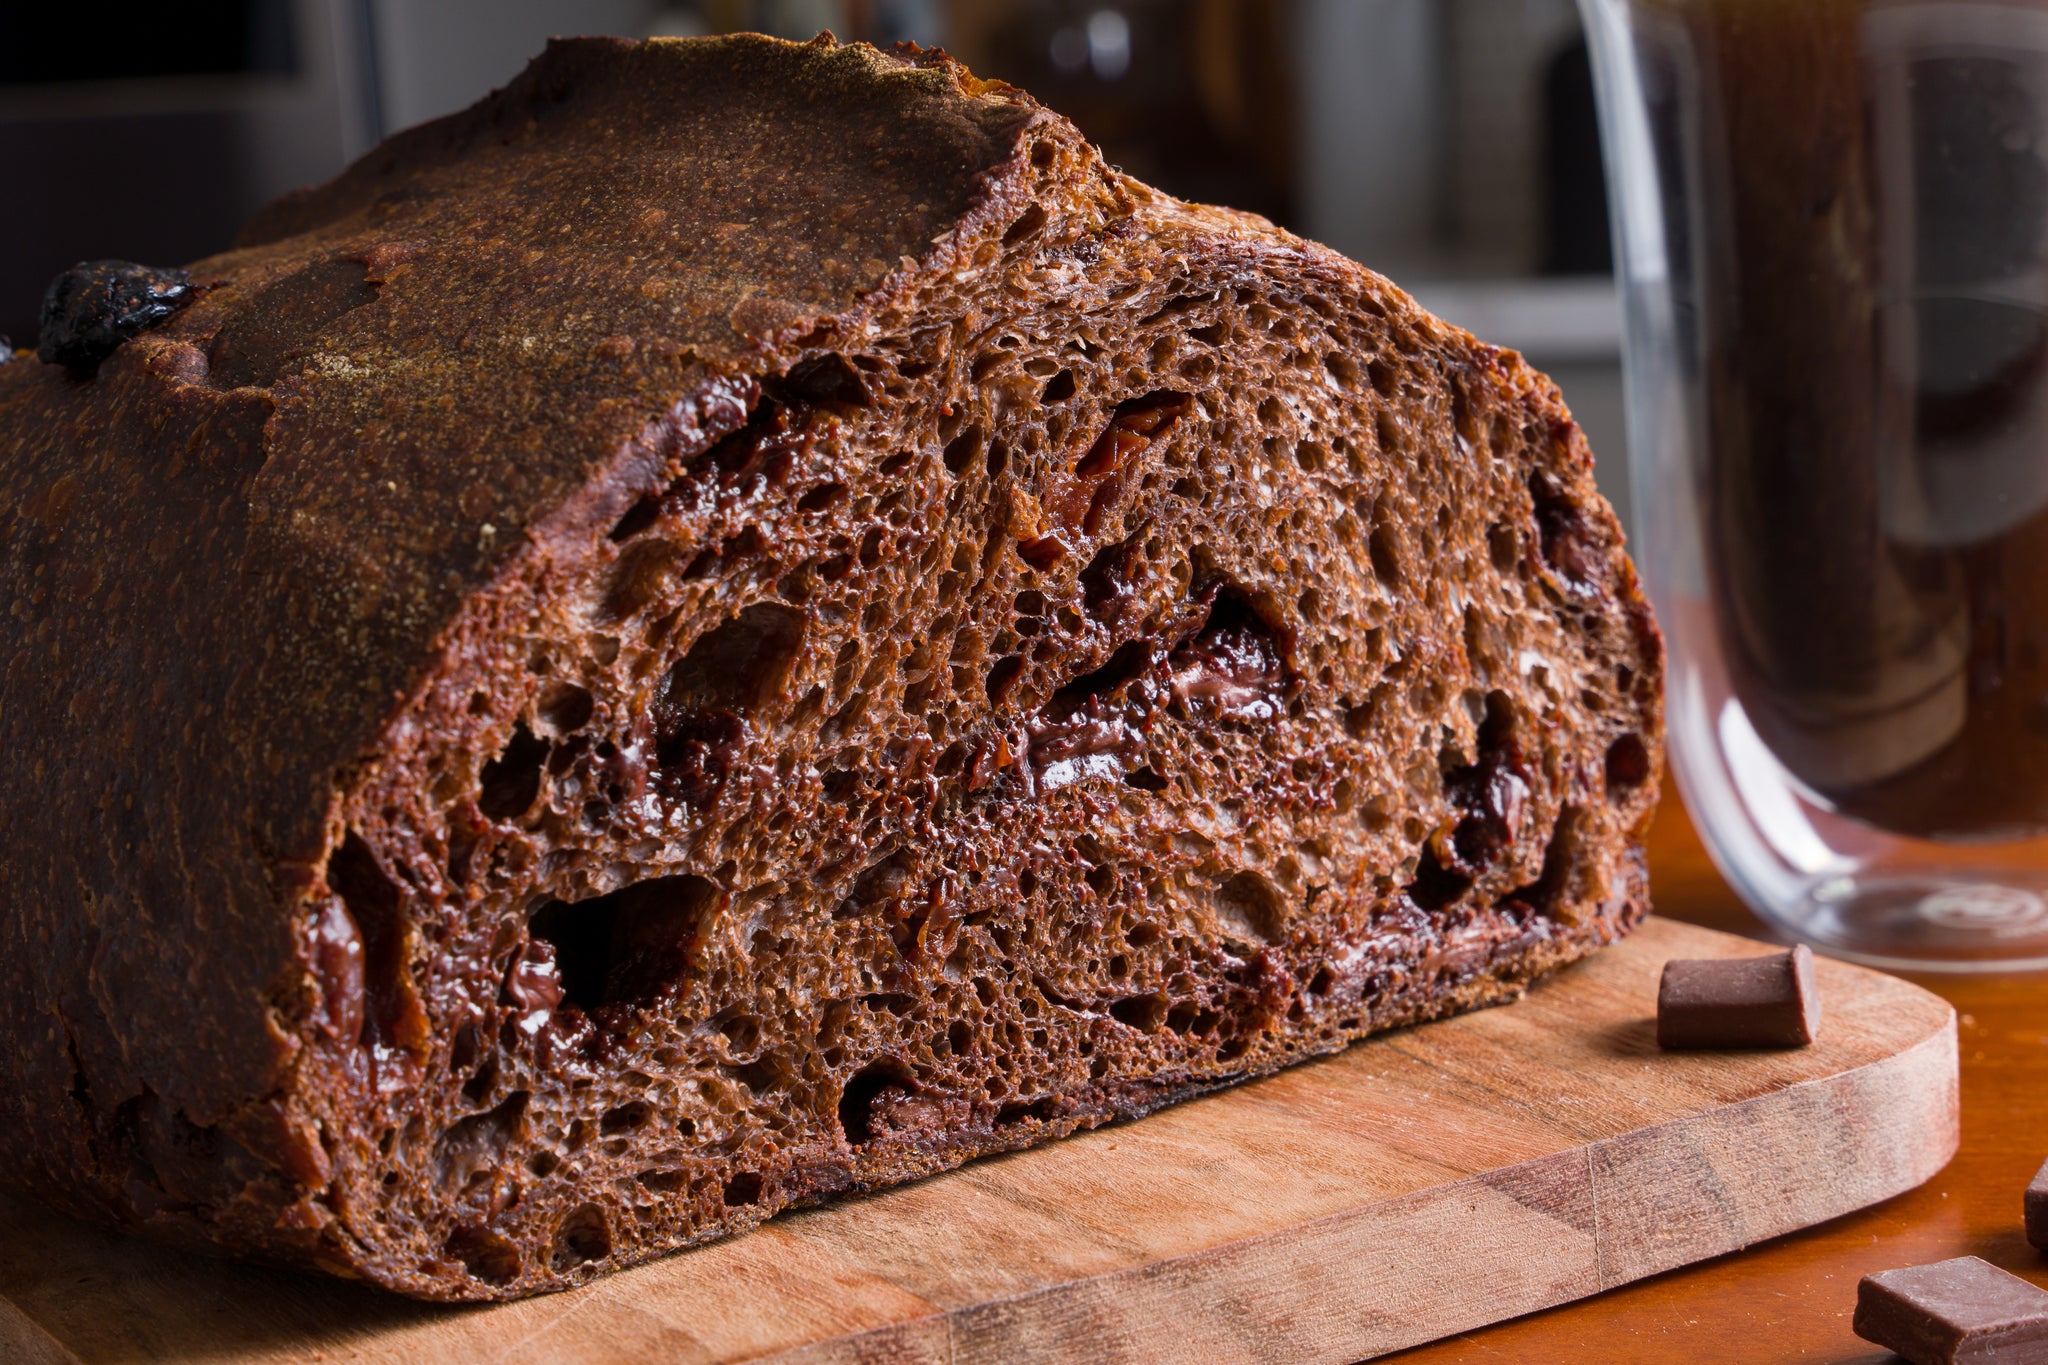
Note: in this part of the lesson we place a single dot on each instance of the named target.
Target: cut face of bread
(933, 645)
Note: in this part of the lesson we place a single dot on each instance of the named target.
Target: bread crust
(296, 573)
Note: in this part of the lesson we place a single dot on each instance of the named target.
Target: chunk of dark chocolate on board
(1739, 1002)
(1951, 1312)
(2037, 1208)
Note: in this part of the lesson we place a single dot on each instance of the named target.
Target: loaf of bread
(747, 621)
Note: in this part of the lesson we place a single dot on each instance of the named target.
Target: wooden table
(1791, 1299)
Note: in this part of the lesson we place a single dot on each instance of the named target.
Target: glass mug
(1831, 221)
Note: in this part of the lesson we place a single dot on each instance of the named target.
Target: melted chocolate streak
(1228, 670)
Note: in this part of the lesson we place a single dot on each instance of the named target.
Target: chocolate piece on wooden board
(2037, 1208)
(1953, 1311)
(1769, 1001)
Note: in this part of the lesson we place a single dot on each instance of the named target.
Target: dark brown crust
(258, 567)
(294, 596)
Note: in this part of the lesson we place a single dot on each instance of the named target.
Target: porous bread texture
(1127, 650)
(938, 765)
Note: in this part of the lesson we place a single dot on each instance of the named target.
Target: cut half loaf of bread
(746, 621)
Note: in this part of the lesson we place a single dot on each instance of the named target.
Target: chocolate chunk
(2037, 1208)
(1953, 1311)
(1739, 1002)
(1085, 745)
(1235, 667)
(534, 987)
(93, 307)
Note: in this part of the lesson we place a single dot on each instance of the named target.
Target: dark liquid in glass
(1872, 311)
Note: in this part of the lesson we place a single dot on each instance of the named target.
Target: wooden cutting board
(1417, 1185)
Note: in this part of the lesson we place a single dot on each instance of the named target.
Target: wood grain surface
(1791, 1299)
(1421, 1184)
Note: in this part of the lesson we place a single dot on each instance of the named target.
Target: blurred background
(1450, 144)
